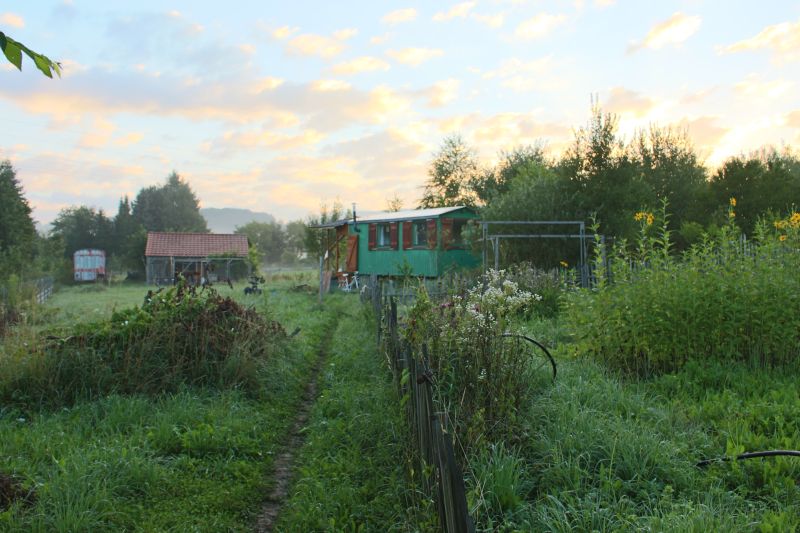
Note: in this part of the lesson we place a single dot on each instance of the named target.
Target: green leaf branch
(13, 51)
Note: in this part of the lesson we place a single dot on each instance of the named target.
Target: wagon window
(458, 231)
(384, 235)
(420, 233)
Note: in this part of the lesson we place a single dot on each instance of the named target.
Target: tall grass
(604, 454)
(721, 300)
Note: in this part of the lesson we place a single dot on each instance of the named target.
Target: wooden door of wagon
(351, 265)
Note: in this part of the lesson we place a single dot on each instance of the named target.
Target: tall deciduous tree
(318, 240)
(452, 170)
(171, 207)
(493, 183)
(295, 239)
(762, 181)
(269, 238)
(83, 227)
(603, 177)
(669, 165)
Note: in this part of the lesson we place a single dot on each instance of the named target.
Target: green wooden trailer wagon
(417, 242)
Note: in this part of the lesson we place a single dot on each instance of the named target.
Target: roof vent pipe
(355, 227)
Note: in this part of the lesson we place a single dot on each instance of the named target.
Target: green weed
(176, 337)
(721, 300)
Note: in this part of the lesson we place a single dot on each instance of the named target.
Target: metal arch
(495, 239)
(539, 345)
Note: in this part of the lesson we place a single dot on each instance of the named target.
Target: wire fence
(39, 290)
(441, 476)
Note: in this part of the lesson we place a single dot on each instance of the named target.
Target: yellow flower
(564, 264)
(644, 215)
(733, 202)
(779, 224)
(731, 214)
(794, 220)
(782, 238)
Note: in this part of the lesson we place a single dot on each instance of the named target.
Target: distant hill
(225, 219)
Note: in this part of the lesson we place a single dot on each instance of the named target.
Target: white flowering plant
(481, 378)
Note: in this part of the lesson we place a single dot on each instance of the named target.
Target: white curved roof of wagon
(393, 216)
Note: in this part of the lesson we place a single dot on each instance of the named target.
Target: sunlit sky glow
(283, 106)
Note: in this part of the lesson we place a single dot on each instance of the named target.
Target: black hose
(750, 455)
(540, 345)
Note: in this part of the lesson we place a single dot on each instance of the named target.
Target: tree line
(172, 206)
(603, 177)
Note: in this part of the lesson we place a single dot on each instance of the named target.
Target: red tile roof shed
(163, 244)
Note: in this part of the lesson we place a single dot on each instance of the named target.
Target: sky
(286, 106)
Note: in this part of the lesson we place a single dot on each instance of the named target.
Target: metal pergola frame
(495, 239)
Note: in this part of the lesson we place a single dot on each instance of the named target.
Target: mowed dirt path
(283, 469)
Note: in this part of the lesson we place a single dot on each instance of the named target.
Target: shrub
(724, 299)
(179, 336)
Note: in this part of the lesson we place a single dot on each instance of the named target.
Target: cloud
(329, 85)
(604, 3)
(385, 158)
(525, 76)
(623, 101)
(399, 15)
(64, 12)
(755, 85)
(704, 131)
(238, 99)
(233, 141)
(49, 186)
(503, 131)
(414, 56)
(457, 11)
(283, 32)
(673, 31)
(512, 129)
(171, 44)
(343, 35)
(697, 97)
(793, 119)
(538, 26)
(266, 84)
(129, 139)
(12, 19)
(360, 64)
(493, 21)
(99, 134)
(309, 44)
(783, 39)
(380, 39)
(318, 45)
(442, 92)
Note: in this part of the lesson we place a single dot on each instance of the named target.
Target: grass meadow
(197, 458)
